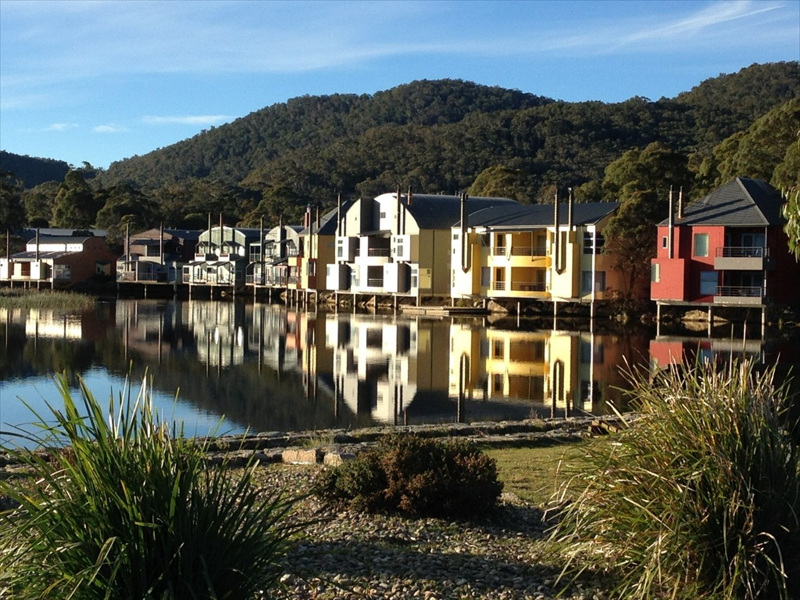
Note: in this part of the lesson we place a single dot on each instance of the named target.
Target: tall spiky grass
(699, 497)
(126, 507)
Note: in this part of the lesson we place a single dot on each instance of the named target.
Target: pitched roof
(540, 215)
(328, 222)
(442, 212)
(741, 202)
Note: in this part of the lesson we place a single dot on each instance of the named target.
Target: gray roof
(329, 221)
(741, 202)
(540, 215)
(442, 212)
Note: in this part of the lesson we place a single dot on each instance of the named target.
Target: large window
(708, 283)
(701, 244)
(599, 281)
(486, 276)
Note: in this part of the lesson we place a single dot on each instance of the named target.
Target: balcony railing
(499, 286)
(374, 282)
(499, 251)
(740, 291)
(528, 286)
(529, 251)
(379, 252)
(742, 252)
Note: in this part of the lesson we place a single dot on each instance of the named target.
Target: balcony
(537, 251)
(742, 258)
(744, 295)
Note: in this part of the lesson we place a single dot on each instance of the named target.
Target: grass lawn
(534, 474)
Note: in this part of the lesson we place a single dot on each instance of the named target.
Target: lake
(234, 366)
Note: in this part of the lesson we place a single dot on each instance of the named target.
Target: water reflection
(265, 367)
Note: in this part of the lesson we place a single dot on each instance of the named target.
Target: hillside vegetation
(433, 136)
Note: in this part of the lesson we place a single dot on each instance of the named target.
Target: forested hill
(440, 135)
(32, 171)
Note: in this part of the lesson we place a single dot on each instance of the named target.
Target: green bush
(417, 476)
(699, 497)
(125, 507)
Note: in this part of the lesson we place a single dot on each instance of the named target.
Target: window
(665, 242)
(701, 244)
(599, 281)
(708, 283)
(486, 276)
(655, 273)
(383, 214)
(592, 242)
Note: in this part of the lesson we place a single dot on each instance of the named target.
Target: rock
(301, 456)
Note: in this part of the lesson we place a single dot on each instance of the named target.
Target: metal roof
(538, 216)
(741, 202)
(442, 212)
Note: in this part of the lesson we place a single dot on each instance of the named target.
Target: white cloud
(186, 120)
(109, 129)
(61, 126)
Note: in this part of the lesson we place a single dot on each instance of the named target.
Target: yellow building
(532, 252)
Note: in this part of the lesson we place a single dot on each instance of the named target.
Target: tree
(791, 210)
(75, 204)
(500, 182)
(641, 181)
(39, 203)
(126, 206)
(12, 211)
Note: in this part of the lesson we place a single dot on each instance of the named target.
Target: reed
(49, 299)
(123, 506)
(699, 497)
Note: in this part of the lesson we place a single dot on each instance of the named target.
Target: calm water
(267, 368)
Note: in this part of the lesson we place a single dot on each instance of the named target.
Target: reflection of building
(553, 370)
(666, 350)
(45, 323)
(219, 331)
(382, 367)
(59, 261)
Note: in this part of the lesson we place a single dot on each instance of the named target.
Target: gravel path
(352, 555)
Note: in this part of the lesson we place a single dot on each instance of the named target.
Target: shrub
(135, 510)
(699, 497)
(418, 476)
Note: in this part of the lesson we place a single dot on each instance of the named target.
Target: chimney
(339, 213)
(680, 203)
(221, 237)
(307, 216)
(569, 210)
(464, 227)
(670, 224)
(557, 249)
(37, 243)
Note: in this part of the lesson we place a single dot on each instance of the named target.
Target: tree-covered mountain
(32, 171)
(438, 136)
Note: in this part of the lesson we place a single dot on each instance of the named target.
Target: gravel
(354, 555)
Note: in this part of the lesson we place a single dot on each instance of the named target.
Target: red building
(727, 249)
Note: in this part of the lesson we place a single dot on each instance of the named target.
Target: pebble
(351, 555)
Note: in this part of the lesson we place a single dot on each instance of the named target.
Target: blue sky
(100, 81)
